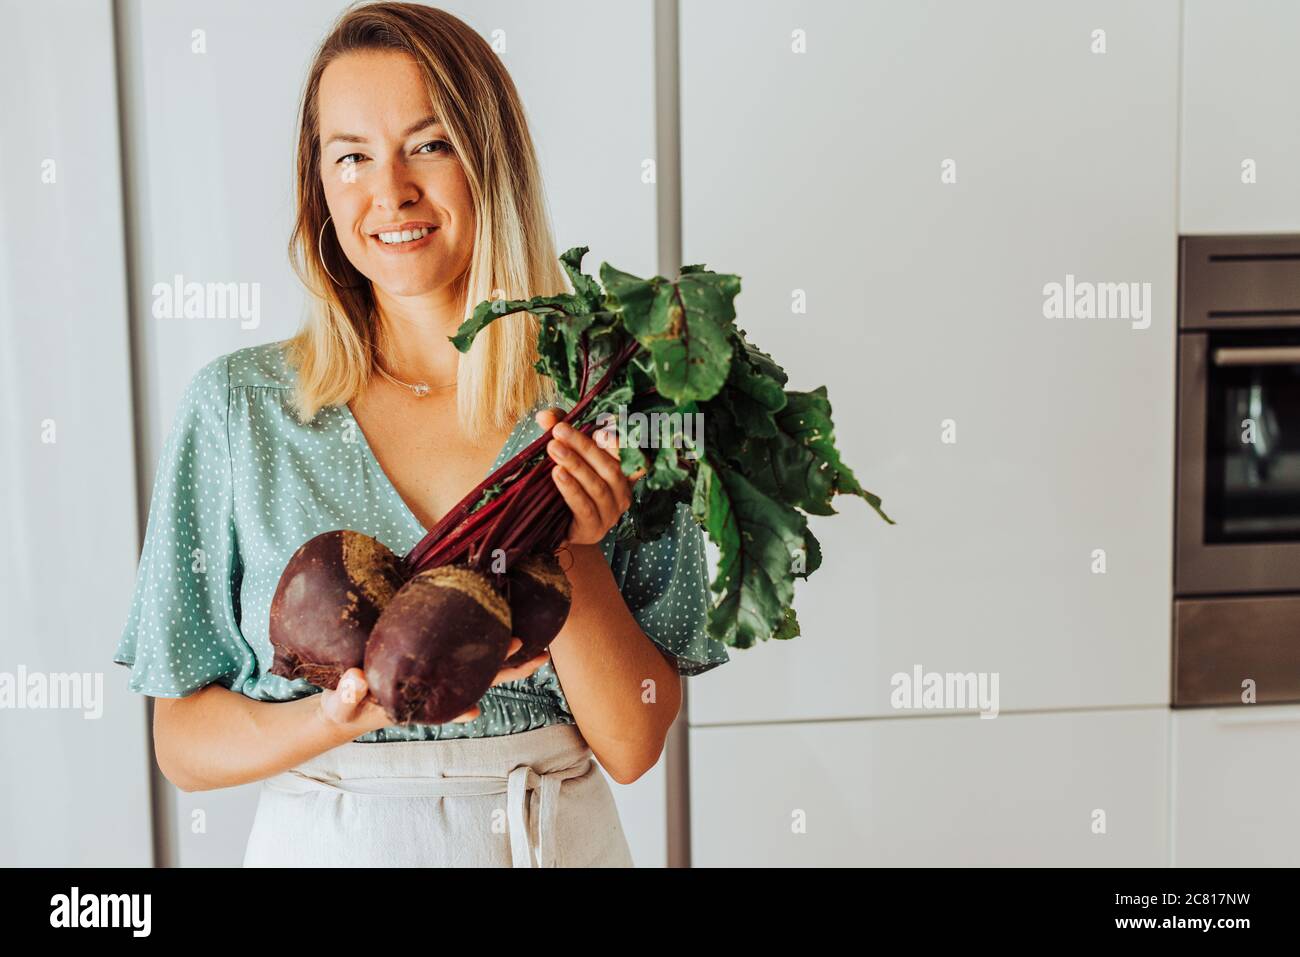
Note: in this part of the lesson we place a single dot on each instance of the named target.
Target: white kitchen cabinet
(1017, 790)
(642, 810)
(76, 777)
(1235, 780)
(210, 828)
(820, 173)
(1240, 115)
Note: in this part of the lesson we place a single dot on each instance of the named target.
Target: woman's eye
(353, 158)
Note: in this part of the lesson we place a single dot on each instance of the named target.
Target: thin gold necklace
(419, 389)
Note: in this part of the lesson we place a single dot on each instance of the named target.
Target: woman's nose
(393, 186)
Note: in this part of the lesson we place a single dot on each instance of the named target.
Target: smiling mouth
(404, 237)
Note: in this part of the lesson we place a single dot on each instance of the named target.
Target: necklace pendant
(421, 389)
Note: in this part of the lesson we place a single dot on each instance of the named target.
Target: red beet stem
(471, 529)
(586, 365)
(477, 545)
(461, 530)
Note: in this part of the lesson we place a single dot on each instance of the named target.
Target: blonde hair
(514, 253)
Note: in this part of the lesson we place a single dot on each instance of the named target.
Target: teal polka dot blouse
(241, 484)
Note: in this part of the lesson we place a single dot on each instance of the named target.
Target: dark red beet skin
(438, 645)
(330, 595)
(540, 595)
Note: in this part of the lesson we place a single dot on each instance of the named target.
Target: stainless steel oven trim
(1210, 569)
(1257, 356)
(1219, 275)
(1221, 642)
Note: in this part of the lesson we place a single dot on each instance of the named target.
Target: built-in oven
(1237, 524)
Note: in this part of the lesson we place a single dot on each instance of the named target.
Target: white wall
(1239, 80)
(76, 789)
(821, 172)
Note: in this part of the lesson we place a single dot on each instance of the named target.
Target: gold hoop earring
(321, 253)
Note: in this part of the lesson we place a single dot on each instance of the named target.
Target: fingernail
(559, 451)
(561, 475)
(348, 690)
(562, 429)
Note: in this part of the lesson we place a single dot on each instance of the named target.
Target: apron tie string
(515, 786)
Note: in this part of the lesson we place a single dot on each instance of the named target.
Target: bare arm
(623, 692)
(217, 738)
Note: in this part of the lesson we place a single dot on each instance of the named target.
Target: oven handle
(1239, 715)
(1259, 356)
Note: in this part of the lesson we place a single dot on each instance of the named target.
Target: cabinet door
(1235, 781)
(820, 174)
(1059, 789)
(75, 765)
(1241, 119)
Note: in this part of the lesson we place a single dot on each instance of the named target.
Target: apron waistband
(515, 785)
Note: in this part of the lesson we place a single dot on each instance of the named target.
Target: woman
(418, 197)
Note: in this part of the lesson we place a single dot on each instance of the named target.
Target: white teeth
(405, 236)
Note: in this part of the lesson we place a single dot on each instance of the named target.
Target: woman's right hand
(351, 705)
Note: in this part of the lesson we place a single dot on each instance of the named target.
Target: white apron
(536, 798)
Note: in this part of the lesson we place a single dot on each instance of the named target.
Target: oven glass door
(1252, 437)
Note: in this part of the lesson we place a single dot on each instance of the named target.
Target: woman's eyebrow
(410, 130)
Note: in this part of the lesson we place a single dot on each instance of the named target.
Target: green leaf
(789, 628)
(617, 393)
(751, 396)
(628, 296)
(810, 558)
(684, 325)
(786, 470)
(806, 420)
(584, 286)
(490, 310)
(631, 458)
(667, 471)
(756, 537)
(559, 351)
(663, 439)
(762, 363)
(655, 513)
(795, 461)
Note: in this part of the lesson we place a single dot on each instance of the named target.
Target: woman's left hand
(589, 477)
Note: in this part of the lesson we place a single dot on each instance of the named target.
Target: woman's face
(386, 169)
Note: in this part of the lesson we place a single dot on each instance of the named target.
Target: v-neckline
(372, 462)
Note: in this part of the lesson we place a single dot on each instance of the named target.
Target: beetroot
(539, 594)
(330, 595)
(438, 645)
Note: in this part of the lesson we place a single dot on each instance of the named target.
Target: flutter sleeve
(183, 629)
(666, 586)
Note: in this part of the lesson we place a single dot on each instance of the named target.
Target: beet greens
(669, 349)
